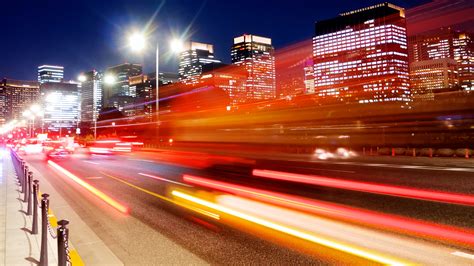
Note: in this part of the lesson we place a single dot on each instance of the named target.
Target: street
(145, 181)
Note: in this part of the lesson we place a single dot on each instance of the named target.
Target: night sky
(82, 35)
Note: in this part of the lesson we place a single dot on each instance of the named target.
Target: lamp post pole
(157, 97)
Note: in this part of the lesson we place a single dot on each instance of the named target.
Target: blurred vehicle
(56, 151)
(109, 147)
(31, 146)
(135, 143)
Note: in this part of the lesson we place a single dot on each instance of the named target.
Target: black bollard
(63, 237)
(44, 230)
(34, 228)
(23, 182)
(27, 190)
(29, 198)
(20, 175)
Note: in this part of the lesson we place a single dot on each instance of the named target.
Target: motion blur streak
(391, 222)
(443, 197)
(198, 210)
(93, 190)
(290, 231)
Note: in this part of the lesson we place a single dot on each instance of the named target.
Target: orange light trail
(392, 222)
(93, 190)
(405, 192)
(293, 232)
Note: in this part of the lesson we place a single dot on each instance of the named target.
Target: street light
(137, 42)
(81, 78)
(109, 79)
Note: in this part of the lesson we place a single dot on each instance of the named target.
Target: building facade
(15, 97)
(61, 105)
(91, 96)
(429, 76)
(361, 56)
(50, 73)
(444, 43)
(192, 58)
(255, 55)
(120, 89)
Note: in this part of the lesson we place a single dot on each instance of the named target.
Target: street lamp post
(137, 43)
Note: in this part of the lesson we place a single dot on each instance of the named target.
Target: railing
(30, 189)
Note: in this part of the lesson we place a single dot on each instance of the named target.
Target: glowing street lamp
(109, 79)
(137, 43)
(82, 78)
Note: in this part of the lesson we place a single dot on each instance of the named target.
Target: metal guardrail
(30, 189)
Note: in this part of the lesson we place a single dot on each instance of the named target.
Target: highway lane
(213, 243)
(141, 170)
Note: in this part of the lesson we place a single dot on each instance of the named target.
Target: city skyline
(106, 41)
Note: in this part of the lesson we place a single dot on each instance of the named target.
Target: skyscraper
(49, 73)
(91, 96)
(192, 58)
(255, 54)
(430, 47)
(15, 97)
(120, 93)
(61, 105)
(361, 56)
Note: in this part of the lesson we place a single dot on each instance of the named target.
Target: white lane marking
(94, 177)
(164, 179)
(463, 254)
(141, 160)
(90, 162)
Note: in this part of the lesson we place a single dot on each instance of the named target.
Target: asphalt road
(156, 231)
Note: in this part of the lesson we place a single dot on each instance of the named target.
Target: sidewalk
(17, 245)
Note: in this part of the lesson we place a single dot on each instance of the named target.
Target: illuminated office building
(49, 73)
(91, 96)
(309, 77)
(445, 43)
(361, 56)
(61, 105)
(15, 97)
(429, 76)
(255, 54)
(192, 58)
(117, 91)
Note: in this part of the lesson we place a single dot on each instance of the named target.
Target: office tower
(445, 43)
(309, 76)
(255, 54)
(15, 97)
(227, 78)
(192, 58)
(91, 96)
(49, 73)
(431, 76)
(61, 105)
(120, 88)
(361, 56)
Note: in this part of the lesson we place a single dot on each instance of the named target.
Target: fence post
(467, 153)
(414, 152)
(63, 237)
(20, 174)
(25, 173)
(27, 187)
(393, 152)
(34, 228)
(29, 190)
(44, 230)
(431, 152)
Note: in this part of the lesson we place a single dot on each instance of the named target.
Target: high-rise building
(15, 97)
(91, 96)
(145, 86)
(61, 105)
(120, 87)
(227, 78)
(256, 55)
(361, 56)
(192, 58)
(429, 76)
(49, 73)
(444, 43)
